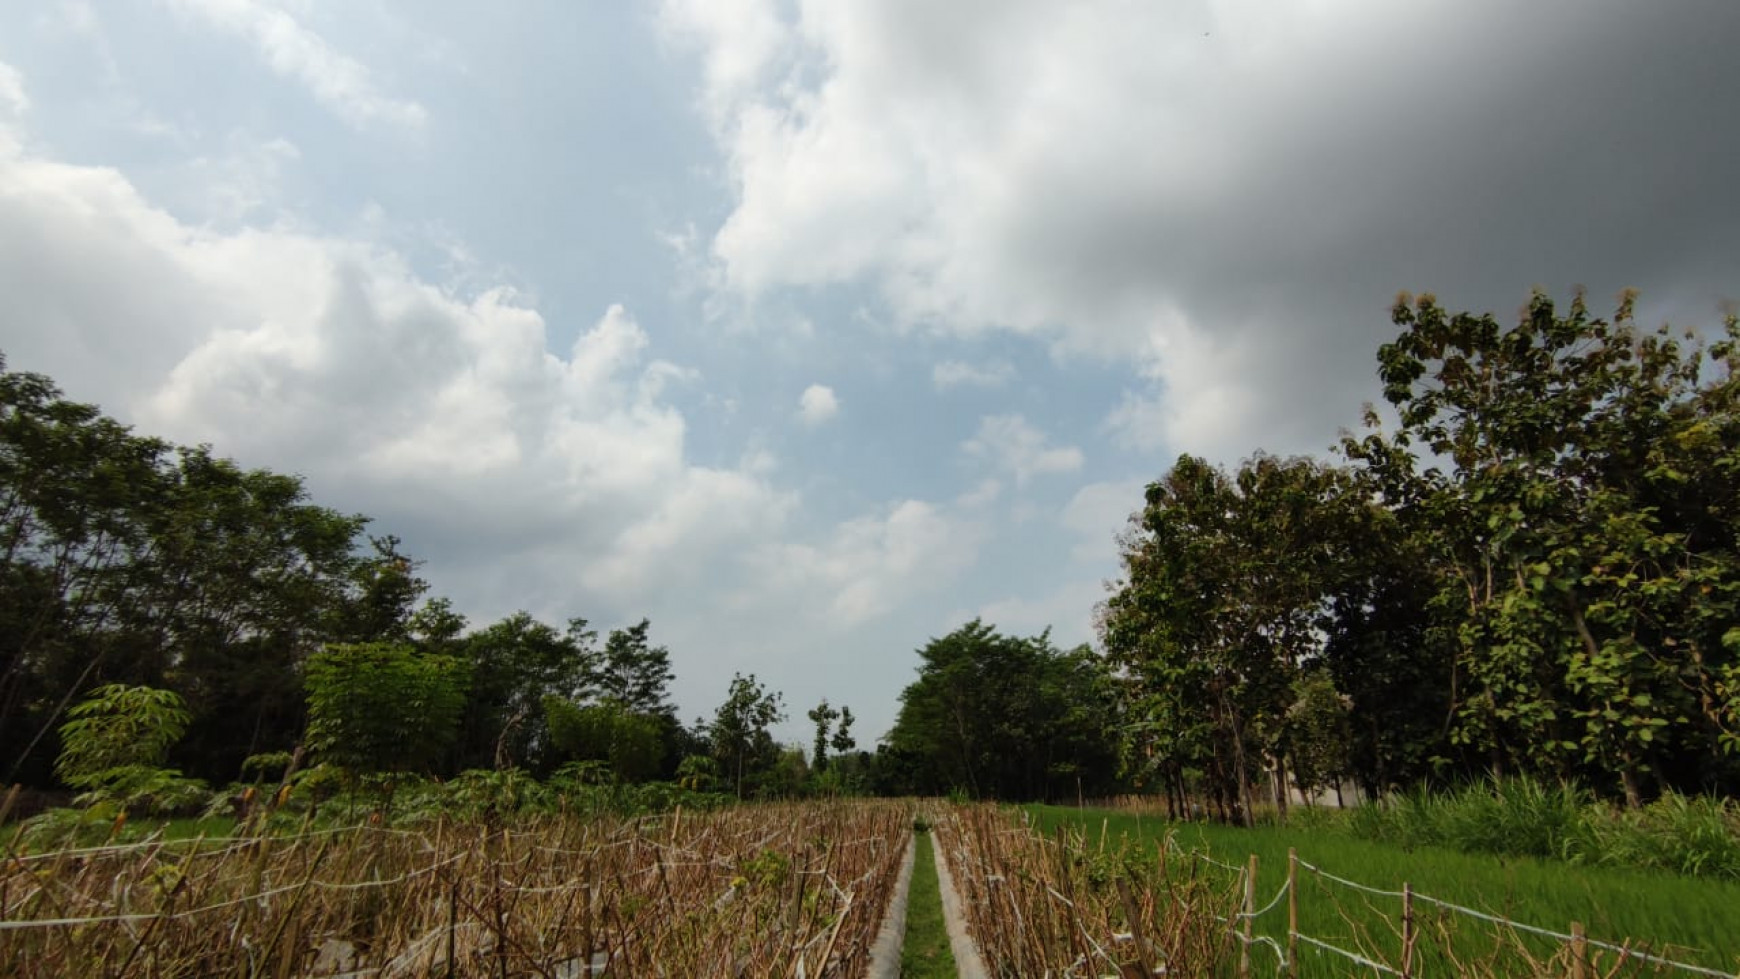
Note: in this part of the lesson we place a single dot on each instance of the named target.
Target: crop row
(750, 891)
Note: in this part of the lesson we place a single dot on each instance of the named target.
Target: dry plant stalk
(778, 890)
(1061, 906)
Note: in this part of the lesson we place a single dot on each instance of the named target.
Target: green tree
(1318, 731)
(114, 745)
(516, 664)
(635, 673)
(739, 733)
(608, 732)
(383, 707)
(1005, 717)
(124, 559)
(1583, 532)
(841, 740)
(1227, 579)
(823, 717)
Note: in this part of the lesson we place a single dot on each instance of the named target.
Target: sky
(812, 330)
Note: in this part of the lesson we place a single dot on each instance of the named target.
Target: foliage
(116, 727)
(1537, 571)
(606, 732)
(1006, 717)
(382, 707)
(1317, 733)
(114, 745)
(515, 665)
(1226, 581)
(1584, 536)
(739, 735)
(1693, 835)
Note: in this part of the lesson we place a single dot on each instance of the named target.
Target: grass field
(1691, 920)
(925, 953)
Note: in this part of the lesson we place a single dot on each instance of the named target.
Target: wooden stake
(1292, 907)
(1250, 920)
(1579, 952)
(1407, 931)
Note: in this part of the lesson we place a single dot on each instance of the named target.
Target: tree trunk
(1281, 792)
(1628, 776)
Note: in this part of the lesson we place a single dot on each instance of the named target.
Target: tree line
(151, 586)
(1535, 570)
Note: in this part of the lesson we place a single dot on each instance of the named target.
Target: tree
(628, 742)
(119, 727)
(1583, 532)
(634, 672)
(114, 745)
(1226, 582)
(1005, 717)
(1317, 733)
(823, 717)
(383, 707)
(516, 665)
(739, 732)
(842, 740)
(124, 559)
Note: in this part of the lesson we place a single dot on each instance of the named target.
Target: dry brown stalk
(1063, 906)
(757, 891)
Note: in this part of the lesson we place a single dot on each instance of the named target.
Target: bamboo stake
(1407, 931)
(1579, 952)
(1250, 919)
(1292, 907)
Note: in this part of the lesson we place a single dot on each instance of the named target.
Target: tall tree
(1006, 717)
(1227, 579)
(822, 716)
(516, 664)
(1584, 530)
(740, 733)
(634, 672)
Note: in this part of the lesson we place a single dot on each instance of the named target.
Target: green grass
(1693, 920)
(925, 953)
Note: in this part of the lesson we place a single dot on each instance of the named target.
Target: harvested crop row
(1058, 906)
(750, 891)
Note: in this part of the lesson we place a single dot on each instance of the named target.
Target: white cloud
(12, 98)
(982, 495)
(292, 51)
(1009, 443)
(871, 564)
(1067, 610)
(955, 373)
(1224, 195)
(740, 40)
(1097, 514)
(561, 481)
(1198, 396)
(818, 405)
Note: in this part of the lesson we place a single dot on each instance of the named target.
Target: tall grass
(1697, 836)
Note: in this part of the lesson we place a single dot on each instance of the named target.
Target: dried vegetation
(784, 890)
